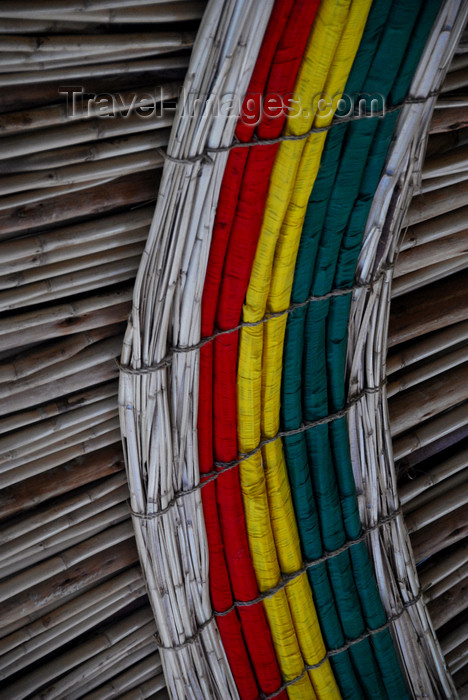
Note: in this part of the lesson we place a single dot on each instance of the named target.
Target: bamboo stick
(164, 12)
(122, 267)
(448, 120)
(80, 131)
(445, 200)
(17, 63)
(22, 199)
(138, 673)
(440, 506)
(41, 630)
(155, 65)
(444, 565)
(437, 474)
(89, 396)
(152, 688)
(434, 229)
(102, 372)
(453, 638)
(429, 437)
(64, 255)
(34, 250)
(57, 565)
(24, 655)
(63, 319)
(446, 531)
(446, 141)
(417, 314)
(455, 80)
(432, 273)
(64, 541)
(420, 403)
(447, 582)
(72, 435)
(458, 658)
(44, 516)
(82, 172)
(107, 659)
(99, 199)
(449, 604)
(437, 183)
(10, 9)
(159, 42)
(431, 253)
(104, 434)
(67, 539)
(95, 569)
(43, 533)
(34, 360)
(458, 62)
(122, 635)
(426, 371)
(436, 492)
(426, 346)
(449, 162)
(136, 662)
(97, 150)
(74, 474)
(92, 354)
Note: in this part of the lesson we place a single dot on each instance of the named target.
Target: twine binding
(204, 156)
(349, 643)
(223, 467)
(167, 360)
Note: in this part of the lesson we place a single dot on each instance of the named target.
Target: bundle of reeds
(427, 381)
(425, 368)
(77, 192)
(157, 402)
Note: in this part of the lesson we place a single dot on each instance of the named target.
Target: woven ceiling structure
(233, 349)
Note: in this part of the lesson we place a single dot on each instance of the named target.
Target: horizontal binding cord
(287, 578)
(223, 467)
(167, 361)
(350, 643)
(307, 667)
(205, 157)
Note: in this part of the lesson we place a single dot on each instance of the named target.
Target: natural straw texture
(74, 216)
(158, 405)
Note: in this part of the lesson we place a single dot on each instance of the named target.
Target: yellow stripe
(271, 524)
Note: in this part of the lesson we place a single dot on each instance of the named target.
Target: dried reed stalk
(454, 638)
(54, 482)
(123, 635)
(126, 192)
(419, 314)
(56, 590)
(24, 655)
(429, 274)
(444, 470)
(431, 253)
(137, 674)
(427, 370)
(430, 431)
(167, 308)
(425, 347)
(449, 604)
(442, 503)
(446, 531)
(43, 629)
(448, 582)
(420, 403)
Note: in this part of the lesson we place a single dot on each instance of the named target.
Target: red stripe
(235, 235)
